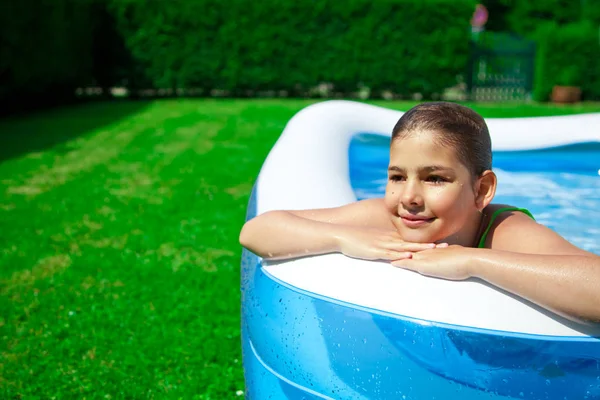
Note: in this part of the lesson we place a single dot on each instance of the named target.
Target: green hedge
(525, 16)
(44, 51)
(567, 37)
(568, 55)
(400, 45)
(50, 47)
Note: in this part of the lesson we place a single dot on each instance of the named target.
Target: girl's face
(430, 194)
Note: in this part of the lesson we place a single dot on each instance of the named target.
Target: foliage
(289, 45)
(568, 55)
(44, 51)
(525, 17)
(241, 49)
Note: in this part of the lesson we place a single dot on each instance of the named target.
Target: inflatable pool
(332, 327)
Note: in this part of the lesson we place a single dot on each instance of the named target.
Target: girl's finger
(409, 246)
(398, 255)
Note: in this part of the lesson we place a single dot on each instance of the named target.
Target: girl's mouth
(413, 221)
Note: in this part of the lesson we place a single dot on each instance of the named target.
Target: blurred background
(496, 50)
(132, 131)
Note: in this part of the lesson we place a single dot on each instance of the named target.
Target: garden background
(131, 136)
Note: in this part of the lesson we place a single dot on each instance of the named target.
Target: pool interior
(559, 185)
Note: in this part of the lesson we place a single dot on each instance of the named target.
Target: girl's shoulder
(368, 213)
(498, 213)
(515, 229)
(378, 213)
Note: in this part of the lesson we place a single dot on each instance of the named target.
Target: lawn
(119, 260)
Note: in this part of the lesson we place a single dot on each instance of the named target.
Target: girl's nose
(411, 195)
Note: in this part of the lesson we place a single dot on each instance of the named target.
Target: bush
(44, 51)
(525, 16)
(243, 47)
(50, 47)
(568, 55)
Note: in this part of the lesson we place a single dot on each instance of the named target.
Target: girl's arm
(568, 285)
(526, 259)
(283, 234)
(533, 261)
(361, 230)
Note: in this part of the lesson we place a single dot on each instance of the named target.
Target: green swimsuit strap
(493, 218)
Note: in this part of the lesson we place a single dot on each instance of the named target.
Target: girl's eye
(396, 178)
(436, 179)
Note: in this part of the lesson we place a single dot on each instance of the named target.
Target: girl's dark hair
(453, 125)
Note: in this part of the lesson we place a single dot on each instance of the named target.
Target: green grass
(119, 260)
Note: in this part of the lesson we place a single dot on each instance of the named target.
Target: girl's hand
(451, 263)
(378, 244)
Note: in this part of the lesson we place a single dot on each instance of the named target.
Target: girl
(437, 219)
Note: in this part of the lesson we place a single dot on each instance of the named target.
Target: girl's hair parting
(452, 125)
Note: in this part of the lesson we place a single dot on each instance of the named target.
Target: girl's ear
(485, 189)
